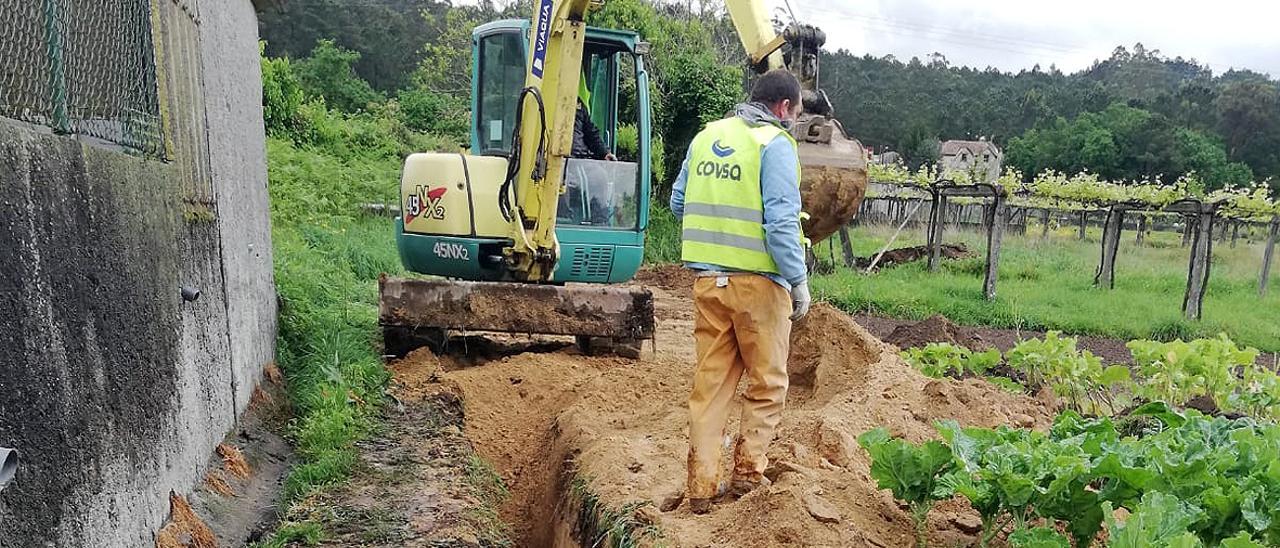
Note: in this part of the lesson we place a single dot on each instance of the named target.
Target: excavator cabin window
(598, 193)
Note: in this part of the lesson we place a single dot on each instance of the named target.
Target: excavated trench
(594, 446)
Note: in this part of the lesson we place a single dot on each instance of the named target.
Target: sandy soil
(621, 424)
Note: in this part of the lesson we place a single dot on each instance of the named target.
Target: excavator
(518, 236)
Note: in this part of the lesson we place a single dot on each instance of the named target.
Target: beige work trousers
(742, 326)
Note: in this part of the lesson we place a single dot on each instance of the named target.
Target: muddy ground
(564, 431)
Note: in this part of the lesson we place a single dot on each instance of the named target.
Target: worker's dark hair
(774, 86)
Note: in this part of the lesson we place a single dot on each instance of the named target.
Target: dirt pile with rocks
(619, 426)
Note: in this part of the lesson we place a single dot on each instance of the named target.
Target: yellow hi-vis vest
(723, 200)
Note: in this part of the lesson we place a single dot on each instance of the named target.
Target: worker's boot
(739, 488)
(700, 506)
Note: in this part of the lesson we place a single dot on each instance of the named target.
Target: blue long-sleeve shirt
(780, 189)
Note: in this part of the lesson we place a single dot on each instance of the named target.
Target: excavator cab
(458, 210)
(604, 207)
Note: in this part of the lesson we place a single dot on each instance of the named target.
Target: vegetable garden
(1131, 446)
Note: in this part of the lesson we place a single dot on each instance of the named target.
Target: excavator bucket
(833, 177)
(414, 312)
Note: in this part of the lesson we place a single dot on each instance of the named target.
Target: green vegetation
(1048, 285)
(322, 166)
(1137, 114)
(1194, 481)
(491, 490)
(938, 360)
(600, 525)
(914, 473)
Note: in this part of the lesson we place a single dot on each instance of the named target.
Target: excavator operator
(738, 196)
(587, 142)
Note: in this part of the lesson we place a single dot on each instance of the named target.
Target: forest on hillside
(1136, 114)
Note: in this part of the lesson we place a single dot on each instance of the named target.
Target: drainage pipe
(8, 465)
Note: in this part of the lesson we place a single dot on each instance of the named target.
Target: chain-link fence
(82, 66)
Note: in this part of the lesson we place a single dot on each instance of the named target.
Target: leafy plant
(1178, 372)
(1159, 520)
(327, 73)
(912, 472)
(1038, 537)
(1074, 374)
(938, 360)
(1008, 385)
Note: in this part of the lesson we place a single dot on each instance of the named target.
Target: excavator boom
(833, 165)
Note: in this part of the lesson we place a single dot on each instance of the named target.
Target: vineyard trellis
(1083, 194)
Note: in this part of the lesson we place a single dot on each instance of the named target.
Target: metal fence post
(61, 121)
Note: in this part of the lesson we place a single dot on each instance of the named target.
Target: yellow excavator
(525, 238)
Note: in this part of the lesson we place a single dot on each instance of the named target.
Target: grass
(1047, 284)
(662, 238)
(600, 525)
(492, 491)
(327, 262)
(326, 266)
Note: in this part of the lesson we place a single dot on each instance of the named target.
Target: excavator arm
(833, 166)
(543, 136)
(755, 30)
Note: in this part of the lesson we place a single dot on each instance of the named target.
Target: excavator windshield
(598, 193)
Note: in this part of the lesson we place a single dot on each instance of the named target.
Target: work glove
(800, 301)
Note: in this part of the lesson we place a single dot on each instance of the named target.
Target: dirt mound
(620, 426)
(672, 277)
(824, 354)
(904, 255)
(935, 329)
(629, 433)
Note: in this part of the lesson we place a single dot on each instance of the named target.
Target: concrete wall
(114, 389)
(238, 161)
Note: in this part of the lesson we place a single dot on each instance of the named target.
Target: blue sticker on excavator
(543, 36)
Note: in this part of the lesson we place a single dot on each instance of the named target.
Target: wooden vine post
(938, 203)
(1084, 221)
(1044, 223)
(1106, 276)
(1201, 254)
(995, 236)
(1267, 253)
(846, 246)
(995, 216)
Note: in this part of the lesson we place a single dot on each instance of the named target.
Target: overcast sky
(1016, 34)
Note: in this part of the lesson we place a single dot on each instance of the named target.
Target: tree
(328, 73)
(382, 32)
(1250, 124)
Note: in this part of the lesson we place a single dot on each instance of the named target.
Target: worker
(587, 144)
(738, 196)
(586, 136)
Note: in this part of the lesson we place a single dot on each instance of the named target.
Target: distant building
(980, 157)
(886, 158)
